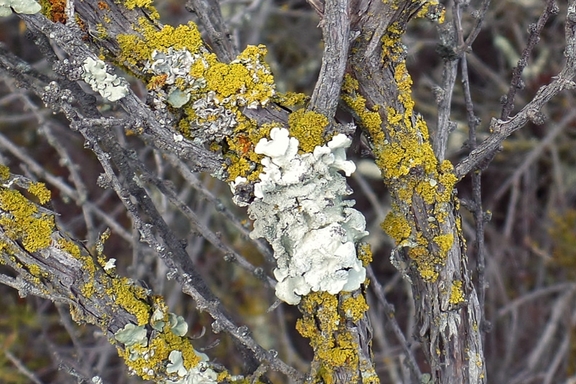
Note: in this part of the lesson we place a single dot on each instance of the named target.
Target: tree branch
(336, 31)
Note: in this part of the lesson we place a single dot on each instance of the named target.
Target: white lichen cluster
(299, 209)
(210, 91)
(175, 65)
(110, 87)
(213, 117)
(136, 341)
(200, 374)
(19, 6)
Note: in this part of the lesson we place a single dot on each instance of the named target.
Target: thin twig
(478, 211)
(210, 16)
(535, 153)
(21, 367)
(533, 38)
(532, 111)
(391, 320)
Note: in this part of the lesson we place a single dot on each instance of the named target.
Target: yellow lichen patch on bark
(135, 49)
(40, 191)
(456, 293)
(325, 322)
(22, 221)
(420, 186)
(308, 127)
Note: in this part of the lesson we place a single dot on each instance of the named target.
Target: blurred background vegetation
(530, 189)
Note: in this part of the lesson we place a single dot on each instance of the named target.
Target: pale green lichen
(146, 345)
(162, 354)
(206, 96)
(19, 6)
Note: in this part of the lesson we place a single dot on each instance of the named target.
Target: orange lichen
(55, 10)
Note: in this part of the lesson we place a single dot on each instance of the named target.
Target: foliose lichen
(110, 87)
(163, 355)
(19, 6)
(154, 344)
(22, 220)
(299, 209)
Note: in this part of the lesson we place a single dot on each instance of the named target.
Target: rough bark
(448, 326)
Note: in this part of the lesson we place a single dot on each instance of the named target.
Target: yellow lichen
(35, 270)
(369, 119)
(324, 323)
(404, 155)
(149, 361)
(397, 227)
(456, 293)
(227, 80)
(308, 127)
(70, 247)
(355, 307)
(4, 172)
(131, 298)
(290, 99)
(365, 254)
(135, 49)
(145, 4)
(21, 221)
(131, 4)
(245, 82)
(88, 265)
(40, 191)
(149, 358)
(101, 31)
(433, 11)
(444, 242)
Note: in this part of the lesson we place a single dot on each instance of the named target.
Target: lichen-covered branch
(151, 340)
(424, 221)
(188, 94)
